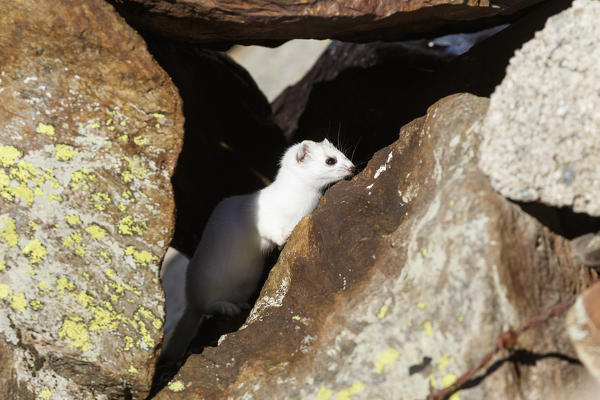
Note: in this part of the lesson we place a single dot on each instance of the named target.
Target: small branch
(507, 339)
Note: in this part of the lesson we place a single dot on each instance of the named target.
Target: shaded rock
(258, 21)
(542, 137)
(403, 277)
(583, 326)
(232, 145)
(365, 93)
(88, 142)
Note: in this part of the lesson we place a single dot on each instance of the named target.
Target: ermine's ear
(302, 151)
(325, 140)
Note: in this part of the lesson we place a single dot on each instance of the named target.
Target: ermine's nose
(352, 169)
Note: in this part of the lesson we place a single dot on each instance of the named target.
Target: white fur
(228, 262)
(172, 274)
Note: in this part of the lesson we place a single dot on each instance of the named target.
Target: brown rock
(90, 130)
(205, 21)
(403, 277)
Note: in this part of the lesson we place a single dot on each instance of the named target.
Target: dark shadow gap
(562, 221)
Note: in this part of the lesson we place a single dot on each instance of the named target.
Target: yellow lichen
(96, 231)
(100, 200)
(65, 284)
(45, 129)
(36, 304)
(448, 380)
(95, 125)
(445, 359)
(84, 298)
(8, 233)
(105, 254)
(346, 394)
(2, 266)
(386, 358)
(140, 140)
(382, 311)
(73, 220)
(45, 394)
(421, 305)
(129, 225)
(128, 343)
(18, 302)
(80, 179)
(428, 328)
(35, 250)
(64, 152)
(110, 272)
(74, 331)
(324, 393)
(176, 386)
(8, 154)
(4, 290)
(22, 191)
(141, 258)
(132, 369)
(135, 166)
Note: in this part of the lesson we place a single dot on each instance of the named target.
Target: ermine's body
(228, 262)
(172, 275)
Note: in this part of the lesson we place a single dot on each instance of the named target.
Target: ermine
(172, 275)
(228, 263)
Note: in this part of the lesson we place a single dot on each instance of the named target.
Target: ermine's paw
(225, 308)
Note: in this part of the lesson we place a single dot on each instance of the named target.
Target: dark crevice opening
(562, 221)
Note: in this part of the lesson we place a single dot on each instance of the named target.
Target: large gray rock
(90, 131)
(542, 131)
(403, 277)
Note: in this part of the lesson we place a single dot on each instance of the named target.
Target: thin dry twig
(506, 339)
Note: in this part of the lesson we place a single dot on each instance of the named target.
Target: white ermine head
(317, 163)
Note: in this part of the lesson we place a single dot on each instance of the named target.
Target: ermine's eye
(331, 161)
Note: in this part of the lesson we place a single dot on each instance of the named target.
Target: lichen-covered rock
(402, 278)
(542, 131)
(90, 130)
(254, 21)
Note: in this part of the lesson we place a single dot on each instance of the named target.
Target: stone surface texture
(90, 131)
(542, 131)
(209, 21)
(402, 278)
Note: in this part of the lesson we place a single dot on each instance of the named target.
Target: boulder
(90, 131)
(401, 279)
(542, 131)
(204, 21)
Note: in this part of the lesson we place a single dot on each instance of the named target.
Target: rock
(364, 93)
(541, 134)
(203, 21)
(583, 326)
(403, 277)
(232, 146)
(90, 130)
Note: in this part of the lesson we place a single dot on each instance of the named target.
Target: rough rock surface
(403, 277)
(90, 130)
(583, 325)
(209, 21)
(232, 146)
(542, 131)
(364, 93)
